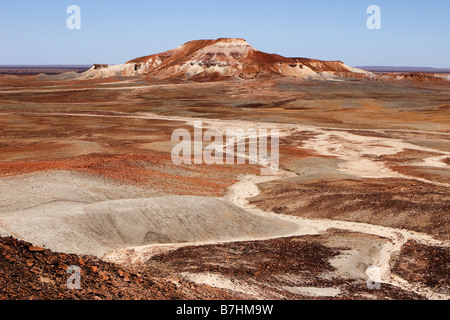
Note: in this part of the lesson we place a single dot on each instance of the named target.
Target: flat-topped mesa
(227, 57)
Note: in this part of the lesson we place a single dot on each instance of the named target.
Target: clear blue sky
(414, 32)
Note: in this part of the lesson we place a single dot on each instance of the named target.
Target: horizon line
(91, 64)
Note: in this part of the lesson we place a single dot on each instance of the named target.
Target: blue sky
(413, 33)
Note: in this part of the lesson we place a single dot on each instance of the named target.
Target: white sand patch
(359, 153)
(314, 291)
(437, 162)
(220, 281)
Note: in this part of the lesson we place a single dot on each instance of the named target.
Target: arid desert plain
(358, 208)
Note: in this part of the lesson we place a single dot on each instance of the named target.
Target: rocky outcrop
(34, 273)
(226, 57)
(100, 66)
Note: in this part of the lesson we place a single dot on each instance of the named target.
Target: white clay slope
(80, 220)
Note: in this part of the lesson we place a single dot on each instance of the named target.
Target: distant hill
(404, 69)
(38, 69)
